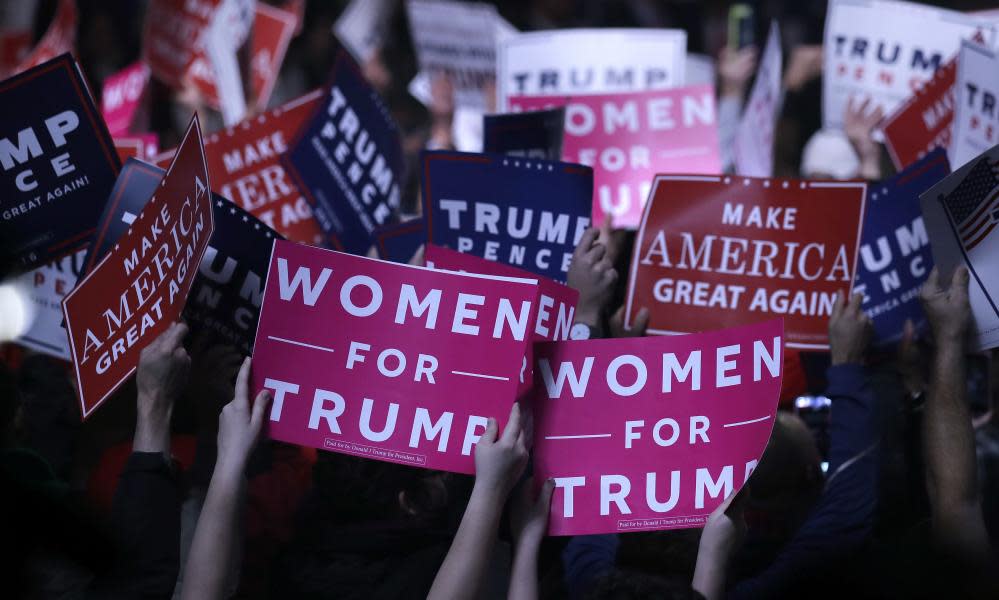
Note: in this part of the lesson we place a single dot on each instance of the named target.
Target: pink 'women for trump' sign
(630, 137)
(388, 361)
(655, 432)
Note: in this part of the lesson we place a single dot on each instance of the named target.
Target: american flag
(974, 203)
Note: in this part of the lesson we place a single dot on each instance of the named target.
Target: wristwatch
(580, 331)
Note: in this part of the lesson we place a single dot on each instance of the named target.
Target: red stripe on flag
(985, 207)
(981, 237)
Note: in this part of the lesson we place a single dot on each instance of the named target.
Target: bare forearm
(709, 572)
(524, 576)
(152, 426)
(949, 439)
(460, 575)
(212, 548)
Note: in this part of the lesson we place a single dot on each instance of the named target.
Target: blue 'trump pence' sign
(347, 160)
(527, 213)
(57, 165)
(895, 256)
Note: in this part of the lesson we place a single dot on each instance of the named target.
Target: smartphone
(741, 28)
(814, 411)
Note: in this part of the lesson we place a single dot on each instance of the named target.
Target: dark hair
(622, 584)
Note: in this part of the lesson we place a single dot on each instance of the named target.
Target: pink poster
(652, 433)
(121, 95)
(388, 361)
(630, 137)
(555, 308)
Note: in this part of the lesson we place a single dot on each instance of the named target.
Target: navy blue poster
(527, 213)
(399, 242)
(58, 165)
(895, 256)
(534, 134)
(225, 297)
(347, 160)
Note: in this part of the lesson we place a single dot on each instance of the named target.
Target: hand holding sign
(240, 424)
(947, 309)
(594, 276)
(849, 330)
(160, 378)
(500, 459)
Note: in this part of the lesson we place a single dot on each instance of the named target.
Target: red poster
(388, 361)
(652, 433)
(140, 288)
(630, 137)
(172, 36)
(923, 122)
(59, 38)
(726, 251)
(143, 147)
(245, 167)
(272, 32)
(554, 311)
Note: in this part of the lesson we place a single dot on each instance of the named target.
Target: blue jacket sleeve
(585, 559)
(843, 518)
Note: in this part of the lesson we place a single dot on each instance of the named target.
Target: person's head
(622, 584)
(828, 154)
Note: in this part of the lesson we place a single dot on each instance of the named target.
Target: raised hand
(160, 378)
(500, 460)
(592, 273)
(849, 330)
(240, 424)
(947, 309)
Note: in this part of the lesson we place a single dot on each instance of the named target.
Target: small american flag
(974, 203)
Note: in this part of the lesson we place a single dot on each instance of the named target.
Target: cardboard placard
(885, 49)
(630, 137)
(347, 160)
(976, 124)
(59, 38)
(121, 96)
(45, 287)
(895, 256)
(960, 214)
(525, 213)
(645, 433)
(361, 27)
(727, 251)
(246, 167)
(172, 36)
(458, 40)
(589, 61)
(388, 361)
(58, 165)
(754, 138)
(533, 134)
(139, 289)
(143, 147)
(399, 242)
(924, 121)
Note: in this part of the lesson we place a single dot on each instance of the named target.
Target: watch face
(579, 331)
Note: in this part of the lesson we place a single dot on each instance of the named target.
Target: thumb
(641, 322)
(489, 435)
(260, 410)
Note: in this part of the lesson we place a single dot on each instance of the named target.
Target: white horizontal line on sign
(496, 377)
(751, 421)
(577, 437)
(297, 343)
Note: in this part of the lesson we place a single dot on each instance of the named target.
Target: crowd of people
(173, 489)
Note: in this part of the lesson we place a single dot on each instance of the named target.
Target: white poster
(961, 214)
(361, 27)
(883, 50)
(699, 69)
(457, 39)
(976, 116)
(590, 61)
(43, 290)
(754, 138)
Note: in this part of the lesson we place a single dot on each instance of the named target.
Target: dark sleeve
(843, 518)
(585, 559)
(145, 517)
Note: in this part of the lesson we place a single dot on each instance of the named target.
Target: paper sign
(140, 287)
(59, 38)
(961, 215)
(895, 256)
(121, 95)
(534, 134)
(726, 251)
(976, 123)
(754, 138)
(589, 61)
(387, 361)
(458, 40)
(884, 50)
(554, 310)
(245, 163)
(172, 36)
(627, 138)
(646, 433)
(399, 242)
(525, 213)
(361, 27)
(142, 147)
(924, 121)
(45, 287)
(58, 165)
(347, 160)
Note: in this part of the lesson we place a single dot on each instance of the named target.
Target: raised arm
(722, 536)
(948, 439)
(499, 463)
(529, 521)
(212, 547)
